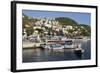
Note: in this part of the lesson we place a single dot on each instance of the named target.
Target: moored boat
(69, 44)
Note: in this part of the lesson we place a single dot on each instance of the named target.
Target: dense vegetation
(86, 31)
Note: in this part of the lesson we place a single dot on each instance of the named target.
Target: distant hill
(66, 21)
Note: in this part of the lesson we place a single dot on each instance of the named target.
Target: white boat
(56, 46)
(52, 46)
(45, 46)
(79, 50)
(69, 44)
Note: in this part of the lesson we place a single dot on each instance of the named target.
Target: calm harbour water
(41, 55)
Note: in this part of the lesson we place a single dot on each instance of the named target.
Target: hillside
(59, 26)
(66, 21)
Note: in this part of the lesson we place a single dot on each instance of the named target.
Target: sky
(81, 18)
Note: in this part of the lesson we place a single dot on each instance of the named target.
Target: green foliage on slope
(66, 21)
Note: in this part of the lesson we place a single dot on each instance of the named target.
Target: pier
(31, 45)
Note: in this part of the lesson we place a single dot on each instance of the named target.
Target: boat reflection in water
(57, 52)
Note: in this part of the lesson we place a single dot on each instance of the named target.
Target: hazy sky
(81, 18)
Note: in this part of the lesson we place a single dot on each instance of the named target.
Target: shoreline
(28, 45)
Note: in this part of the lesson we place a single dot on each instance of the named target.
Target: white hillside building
(69, 27)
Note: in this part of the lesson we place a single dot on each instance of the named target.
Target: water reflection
(41, 55)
